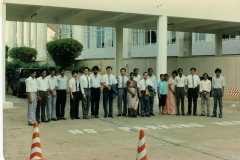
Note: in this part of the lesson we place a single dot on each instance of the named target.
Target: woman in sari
(171, 98)
(132, 96)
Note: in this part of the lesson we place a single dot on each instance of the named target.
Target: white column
(34, 39)
(27, 34)
(119, 51)
(20, 35)
(2, 48)
(78, 34)
(12, 33)
(218, 44)
(42, 40)
(193, 37)
(161, 63)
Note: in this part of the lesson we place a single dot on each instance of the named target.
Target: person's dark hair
(135, 69)
(95, 68)
(108, 67)
(52, 69)
(32, 71)
(205, 74)
(193, 69)
(42, 70)
(179, 69)
(150, 69)
(175, 72)
(218, 70)
(123, 69)
(131, 74)
(161, 75)
(85, 68)
(74, 71)
(61, 69)
(165, 75)
(144, 73)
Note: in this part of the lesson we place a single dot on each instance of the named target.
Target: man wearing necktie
(122, 92)
(74, 96)
(193, 82)
(85, 88)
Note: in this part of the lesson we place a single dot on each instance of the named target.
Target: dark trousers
(180, 93)
(145, 105)
(217, 95)
(192, 96)
(151, 102)
(41, 105)
(86, 102)
(74, 105)
(61, 103)
(107, 97)
(95, 98)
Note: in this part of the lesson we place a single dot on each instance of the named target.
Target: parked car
(18, 80)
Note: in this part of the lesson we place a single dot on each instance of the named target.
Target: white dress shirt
(95, 81)
(205, 85)
(52, 81)
(73, 85)
(42, 84)
(218, 82)
(181, 82)
(109, 79)
(138, 78)
(62, 82)
(193, 79)
(154, 82)
(31, 84)
(122, 82)
(144, 83)
(85, 82)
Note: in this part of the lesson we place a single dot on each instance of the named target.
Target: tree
(24, 54)
(64, 51)
(6, 51)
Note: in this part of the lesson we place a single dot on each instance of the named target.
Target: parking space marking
(227, 123)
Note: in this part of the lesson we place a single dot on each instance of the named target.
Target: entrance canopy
(193, 16)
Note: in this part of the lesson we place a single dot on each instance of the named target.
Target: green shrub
(64, 51)
(24, 54)
(6, 51)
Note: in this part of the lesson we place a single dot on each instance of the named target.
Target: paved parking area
(167, 136)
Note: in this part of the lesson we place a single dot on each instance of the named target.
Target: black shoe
(105, 116)
(125, 115)
(63, 118)
(195, 114)
(119, 115)
(38, 122)
(31, 124)
(220, 116)
(202, 114)
(213, 116)
(142, 115)
(183, 114)
(49, 120)
(77, 118)
(147, 115)
(110, 116)
(152, 114)
(45, 121)
(72, 118)
(208, 115)
(188, 114)
(54, 119)
(139, 114)
(58, 118)
(178, 114)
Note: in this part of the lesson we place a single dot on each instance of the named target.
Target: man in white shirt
(145, 105)
(43, 87)
(95, 80)
(205, 89)
(193, 82)
(107, 80)
(122, 93)
(51, 106)
(218, 84)
(181, 84)
(153, 79)
(86, 92)
(74, 96)
(32, 96)
(137, 78)
(61, 95)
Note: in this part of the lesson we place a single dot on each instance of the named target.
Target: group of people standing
(48, 94)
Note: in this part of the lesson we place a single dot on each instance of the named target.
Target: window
(143, 37)
(65, 31)
(228, 37)
(172, 36)
(99, 37)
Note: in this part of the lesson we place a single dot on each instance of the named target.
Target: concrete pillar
(12, 33)
(34, 39)
(27, 34)
(194, 37)
(218, 44)
(20, 34)
(42, 40)
(119, 51)
(6, 104)
(161, 63)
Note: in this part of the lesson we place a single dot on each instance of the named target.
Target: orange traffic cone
(142, 152)
(36, 152)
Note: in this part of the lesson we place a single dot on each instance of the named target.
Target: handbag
(150, 88)
(147, 92)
